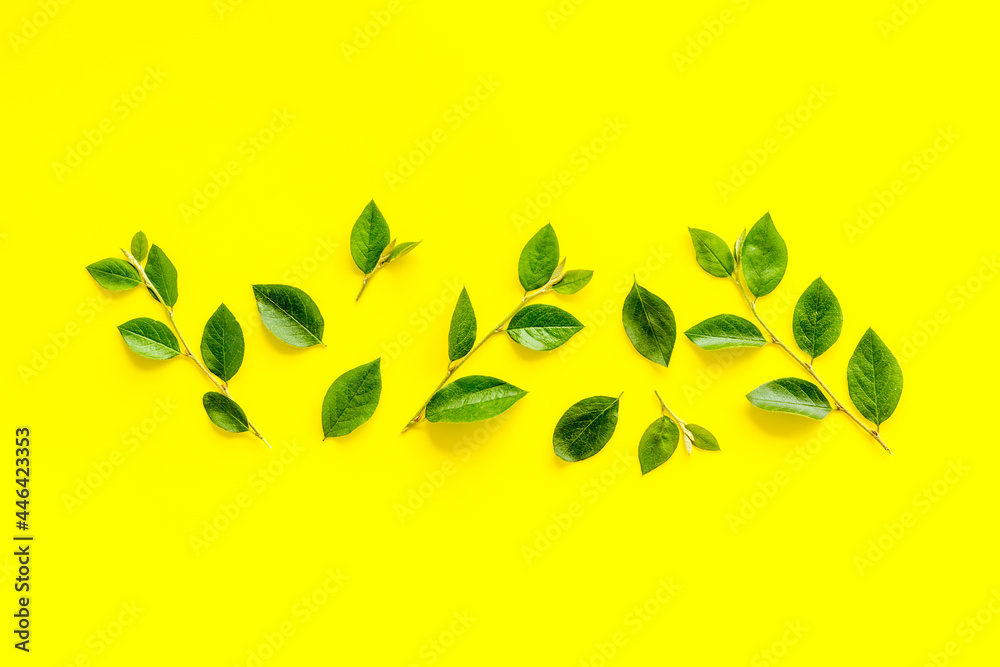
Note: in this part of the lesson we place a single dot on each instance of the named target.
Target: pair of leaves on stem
(371, 246)
(660, 439)
(117, 275)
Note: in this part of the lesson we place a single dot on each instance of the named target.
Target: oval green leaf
(290, 314)
(702, 438)
(542, 327)
(573, 281)
(657, 444)
(114, 274)
(712, 253)
(162, 274)
(401, 249)
(149, 338)
(140, 246)
(585, 428)
(351, 399)
(817, 320)
(462, 334)
(222, 344)
(225, 412)
(472, 399)
(738, 245)
(649, 324)
(791, 395)
(874, 379)
(539, 259)
(722, 331)
(369, 237)
(763, 257)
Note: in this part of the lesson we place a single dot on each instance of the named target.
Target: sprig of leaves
(756, 266)
(539, 327)
(660, 438)
(371, 246)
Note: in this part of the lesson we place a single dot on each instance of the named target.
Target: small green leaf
(114, 274)
(712, 253)
(149, 338)
(542, 327)
(702, 438)
(462, 334)
(369, 237)
(162, 274)
(817, 319)
(722, 331)
(140, 246)
(764, 257)
(539, 259)
(573, 281)
(225, 412)
(222, 344)
(401, 249)
(791, 395)
(874, 379)
(472, 399)
(657, 444)
(649, 324)
(738, 245)
(289, 314)
(585, 428)
(351, 399)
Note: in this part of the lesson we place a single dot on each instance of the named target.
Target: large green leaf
(149, 338)
(542, 327)
(573, 281)
(462, 333)
(791, 395)
(657, 444)
(712, 253)
(114, 274)
(471, 399)
(162, 274)
(140, 246)
(225, 412)
(369, 237)
(539, 259)
(724, 331)
(222, 344)
(763, 257)
(351, 399)
(649, 324)
(585, 428)
(817, 319)
(874, 378)
(290, 314)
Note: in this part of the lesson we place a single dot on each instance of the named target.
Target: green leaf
(114, 274)
(225, 412)
(162, 274)
(573, 281)
(462, 334)
(817, 319)
(402, 249)
(702, 438)
(149, 338)
(222, 344)
(542, 327)
(657, 444)
(791, 395)
(712, 253)
(722, 331)
(369, 237)
(351, 399)
(140, 246)
(764, 257)
(738, 245)
(874, 379)
(290, 314)
(539, 259)
(649, 324)
(472, 399)
(585, 428)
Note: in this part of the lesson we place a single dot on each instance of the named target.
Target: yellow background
(336, 504)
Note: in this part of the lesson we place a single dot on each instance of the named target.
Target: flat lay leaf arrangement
(756, 266)
(371, 246)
